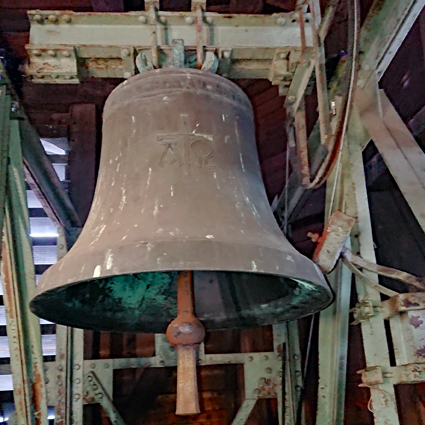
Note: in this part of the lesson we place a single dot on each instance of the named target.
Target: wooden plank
(14, 20)
(46, 4)
(264, 97)
(209, 400)
(288, 5)
(83, 157)
(243, 6)
(17, 41)
(51, 125)
(217, 417)
(108, 5)
(268, 108)
(52, 96)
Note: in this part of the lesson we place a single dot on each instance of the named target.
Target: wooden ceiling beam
(108, 5)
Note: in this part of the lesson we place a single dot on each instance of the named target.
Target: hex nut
(125, 52)
(67, 19)
(189, 20)
(226, 54)
(36, 52)
(209, 20)
(52, 18)
(269, 370)
(51, 53)
(143, 19)
(281, 21)
(38, 18)
(67, 54)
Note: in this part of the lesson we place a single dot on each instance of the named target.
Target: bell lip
(154, 73)
(324, 290)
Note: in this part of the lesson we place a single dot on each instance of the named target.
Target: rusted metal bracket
(363, 311)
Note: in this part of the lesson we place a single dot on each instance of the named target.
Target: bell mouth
(146, 302)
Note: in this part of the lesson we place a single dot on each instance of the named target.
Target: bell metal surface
(179, 188)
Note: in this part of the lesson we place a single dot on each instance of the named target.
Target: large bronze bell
(179, 188)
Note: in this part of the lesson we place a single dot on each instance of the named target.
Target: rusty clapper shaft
(186, 332)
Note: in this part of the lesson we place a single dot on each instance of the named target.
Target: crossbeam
(65, 46)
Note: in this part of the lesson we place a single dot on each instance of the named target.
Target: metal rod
(199, 37)
(321, 84)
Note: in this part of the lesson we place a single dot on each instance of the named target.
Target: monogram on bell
(179, 188)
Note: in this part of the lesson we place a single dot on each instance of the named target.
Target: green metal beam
(18, 280)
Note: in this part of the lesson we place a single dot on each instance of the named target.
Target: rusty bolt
(266, 357)
(127, 74)
(36, 52)
(257, 391)
(209, 20)
(297, 373)
(269, 370)
(90, 378)
(143, 19)
(106, 365)
(125, 52)
(162, 363)
(250, 358)
(77, 380)
(67, 19)
(60, 368)
(67, 54)
(92, 365)
(38, 18)
(77, 397)
(51, 53)
(189, 20)
(279, 374)
(296, 357)
(291, 99)
(59, 383)
(95, 387)
(281, 21)
(47, 380)
(226, 54)
(100, 396)
(262, 381)
(77, 367)
(297, 388)
(52, 18)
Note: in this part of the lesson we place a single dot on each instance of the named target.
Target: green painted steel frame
(18, 278)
